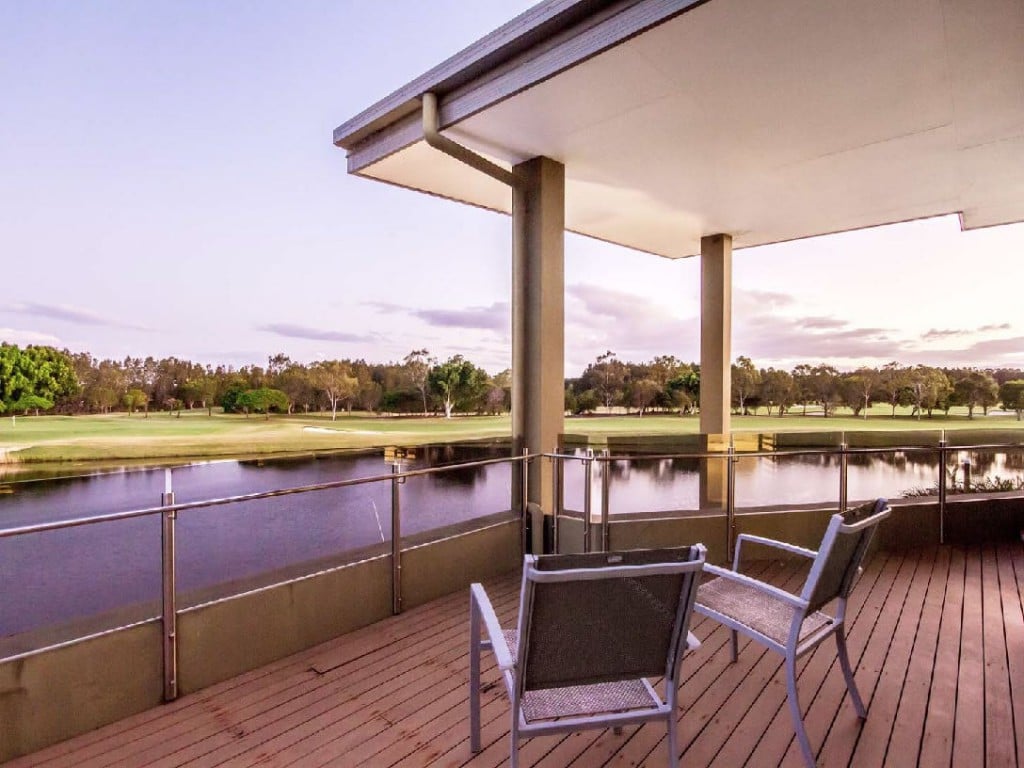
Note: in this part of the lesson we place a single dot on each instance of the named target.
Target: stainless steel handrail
(843, 451)
(75, 522)
(168, 511)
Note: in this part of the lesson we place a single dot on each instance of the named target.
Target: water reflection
(113, 569)
(99, 571)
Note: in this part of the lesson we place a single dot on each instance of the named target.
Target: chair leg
(673, 740)
(851, 685)
(514, 754)
(474, 676)
(734, 645)
(794, 710)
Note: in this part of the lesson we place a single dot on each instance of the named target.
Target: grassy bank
(194, 435)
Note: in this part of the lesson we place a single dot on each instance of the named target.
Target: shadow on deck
(936, 636)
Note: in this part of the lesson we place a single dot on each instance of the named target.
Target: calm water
(67, 574)
(114, 568)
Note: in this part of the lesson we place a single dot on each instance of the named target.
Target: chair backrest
(841, 553)
(605, 616)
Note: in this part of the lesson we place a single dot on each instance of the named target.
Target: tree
(457, 382)
(858, 388)
(928, 388)
(1011, 394)
(262, 400)
(643, 393)
(495, 399)
(35, 371)
(777, 390)
(28, 403)
(975, 388)
(334, 379)
(417, 365)
(803, 385)
(746, 381)
(683, 389)
(892, 385)
(136, 398)
(824, 387)
(607, 377)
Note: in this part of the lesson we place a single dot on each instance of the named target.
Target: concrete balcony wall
(55, 694)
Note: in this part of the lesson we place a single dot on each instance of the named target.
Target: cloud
(999, 327)
(315, 334)
(599, 319)
(777, 340)
(934, 333)
(822, 323)
(386, 307)
(68, 314)
(23, 338)
(757, 301)
(987, 352)
(496, 317)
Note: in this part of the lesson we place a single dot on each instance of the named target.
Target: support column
(715, 334)
(715, 366)
(538, 323)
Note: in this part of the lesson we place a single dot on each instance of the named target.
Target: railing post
(170, 609)
(606, 487)
(943, 451)
(588, 475)
(843, 474)
(524, 482)
(557, 500)
(396, 541)
(730, 500)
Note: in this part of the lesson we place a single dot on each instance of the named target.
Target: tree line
(40, 378)
(667, 384)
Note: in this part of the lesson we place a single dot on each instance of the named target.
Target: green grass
(195, 435)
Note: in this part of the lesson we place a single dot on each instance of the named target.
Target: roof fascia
(545, 19)
(602, 28)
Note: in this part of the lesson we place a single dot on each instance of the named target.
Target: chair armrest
(483, 609)
(780, 594)
(792, 548)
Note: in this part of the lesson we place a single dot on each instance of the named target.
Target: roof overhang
(769, 121)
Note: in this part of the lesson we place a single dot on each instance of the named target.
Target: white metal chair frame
(511, 657)
(804, 607)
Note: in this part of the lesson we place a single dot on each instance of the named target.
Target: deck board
(936, 637)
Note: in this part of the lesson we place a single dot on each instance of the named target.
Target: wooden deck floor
(937, 639)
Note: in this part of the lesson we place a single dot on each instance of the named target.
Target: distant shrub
(980, 485)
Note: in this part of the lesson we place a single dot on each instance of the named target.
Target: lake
(113, 569)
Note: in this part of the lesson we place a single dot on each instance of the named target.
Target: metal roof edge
(531, 27)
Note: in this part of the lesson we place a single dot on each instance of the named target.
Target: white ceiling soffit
(771, 121)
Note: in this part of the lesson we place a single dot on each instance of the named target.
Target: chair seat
(758, 610)
(599, 698)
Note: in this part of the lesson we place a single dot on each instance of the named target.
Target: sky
(168, 186)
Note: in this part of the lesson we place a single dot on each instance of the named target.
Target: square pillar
(538, 319)
(715, 334)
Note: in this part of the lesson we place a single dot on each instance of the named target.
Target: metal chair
(592, 628)
(790, 624)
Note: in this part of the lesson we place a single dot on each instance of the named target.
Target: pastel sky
(168, 186)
